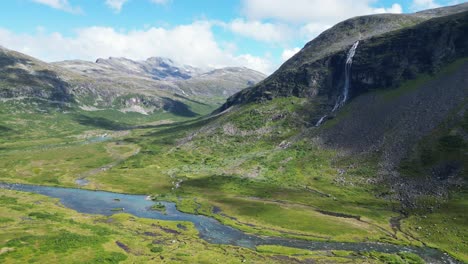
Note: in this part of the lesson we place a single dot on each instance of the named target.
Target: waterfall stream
(344, 97)
(349, 62)
(321, 120)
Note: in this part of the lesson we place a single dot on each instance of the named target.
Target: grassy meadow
(250, 168)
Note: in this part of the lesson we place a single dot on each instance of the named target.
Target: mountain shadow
(177, 108)
(100, 122)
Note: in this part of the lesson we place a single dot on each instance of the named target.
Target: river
(211, 230)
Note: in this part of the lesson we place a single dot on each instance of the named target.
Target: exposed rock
(317, 70)
(157, 84)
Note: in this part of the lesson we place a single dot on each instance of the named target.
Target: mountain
(221, 82)
(157, 84)
(183, 79)
(375, 104)
(156, 68)
(24, 76)
(356, 146)
(375, 96)
(310, 72)
(387, 56)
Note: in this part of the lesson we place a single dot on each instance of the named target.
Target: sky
(258, 34)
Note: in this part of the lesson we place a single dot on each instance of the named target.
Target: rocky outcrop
(406, 82)
(157, 84)
(167, 75)
(318, 69)
(23, 76)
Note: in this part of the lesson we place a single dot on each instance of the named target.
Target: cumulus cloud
(160, 2)
(59, 4)
(116, 4)
(311, 30)
(395, 9)
(288, 53)
(266, 32)
(308, 18)
(192, 44)
(418, 5)
(306, 11)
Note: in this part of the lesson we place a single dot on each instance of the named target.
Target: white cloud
(311, 30)
(266, 32)
(309, 17)
(418, 5)
(116, 4)
(59, 4)
(307, 11)
(395, 9)
(160, 2)
(192, 44)
(288, 53)
(260, 64)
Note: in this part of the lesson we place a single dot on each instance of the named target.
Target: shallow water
(97, 139)
(82, 182)
(100, 202)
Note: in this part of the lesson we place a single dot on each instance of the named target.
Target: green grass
(59, 235)
(239, 168)
(159, 207)
(401, 258)
(444, 146)
(251, 168)
(444, 228)
(414, 84)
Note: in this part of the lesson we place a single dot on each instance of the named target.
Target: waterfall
(321, 120)
(344, 97)
(348, 64)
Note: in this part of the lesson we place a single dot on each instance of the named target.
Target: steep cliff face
(409, 44)
(406, 110)
(385, 61)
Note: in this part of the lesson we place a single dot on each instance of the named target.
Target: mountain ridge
(396, 80)
(117, 83)
(337, 39)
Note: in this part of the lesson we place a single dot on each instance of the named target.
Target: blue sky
(260, 34)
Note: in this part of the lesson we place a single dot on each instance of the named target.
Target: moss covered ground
(250, 168)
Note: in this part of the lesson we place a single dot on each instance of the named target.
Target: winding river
(100, 202)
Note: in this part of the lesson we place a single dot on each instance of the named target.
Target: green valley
(281, 158)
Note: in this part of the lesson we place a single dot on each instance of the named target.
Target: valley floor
(248, 171)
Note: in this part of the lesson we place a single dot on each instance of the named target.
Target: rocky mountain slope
(399, 137)
(157, 84)
(317, 68)
(387, 164)
(169, 75)
(406, 83)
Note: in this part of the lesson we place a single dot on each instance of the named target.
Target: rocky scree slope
(317, 69)
(408, 90)
(385, 62)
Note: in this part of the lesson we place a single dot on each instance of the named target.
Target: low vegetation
(260, 168)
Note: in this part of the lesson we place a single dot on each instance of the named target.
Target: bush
(156, 249)
(451, 142)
